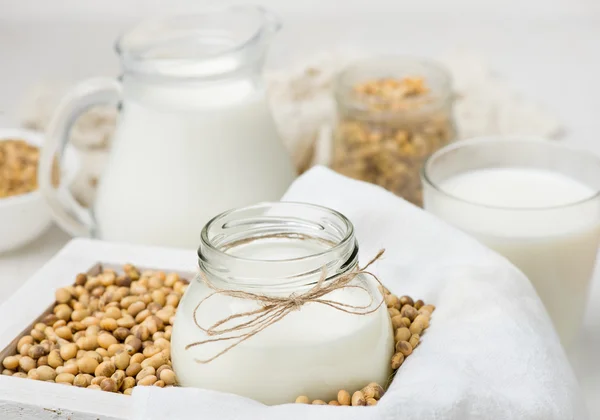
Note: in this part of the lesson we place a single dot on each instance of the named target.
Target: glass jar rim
(507, 141)
(139, 47)
(295, 222)
(347, 237)
(344, 85)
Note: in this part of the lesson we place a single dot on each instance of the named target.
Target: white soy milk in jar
(556, 252)
(183, 153)
(314, 351)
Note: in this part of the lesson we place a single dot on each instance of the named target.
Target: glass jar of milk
(195, 136)
(535, 202)
(280, 250)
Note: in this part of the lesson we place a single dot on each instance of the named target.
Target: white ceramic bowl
(25, 217)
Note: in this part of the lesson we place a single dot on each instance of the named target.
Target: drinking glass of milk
(194, 136)
(535, 202)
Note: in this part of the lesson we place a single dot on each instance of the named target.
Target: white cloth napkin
(490, 352)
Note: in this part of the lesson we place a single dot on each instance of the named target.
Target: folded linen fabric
(490, 352)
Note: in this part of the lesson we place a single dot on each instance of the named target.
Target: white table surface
(549, 50)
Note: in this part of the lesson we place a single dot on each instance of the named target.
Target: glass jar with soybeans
(393, 113)
(280, 308)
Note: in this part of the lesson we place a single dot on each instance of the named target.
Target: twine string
(274, 308)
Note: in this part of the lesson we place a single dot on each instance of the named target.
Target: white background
(550, 50)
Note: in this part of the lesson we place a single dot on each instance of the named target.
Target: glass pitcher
(194, 136)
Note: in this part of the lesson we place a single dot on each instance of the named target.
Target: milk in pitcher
(185, 153)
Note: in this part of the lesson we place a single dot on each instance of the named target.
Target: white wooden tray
(22, 398)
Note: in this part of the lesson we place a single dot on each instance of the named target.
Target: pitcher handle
(67, 212)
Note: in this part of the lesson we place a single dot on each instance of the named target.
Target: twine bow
(273, 308)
